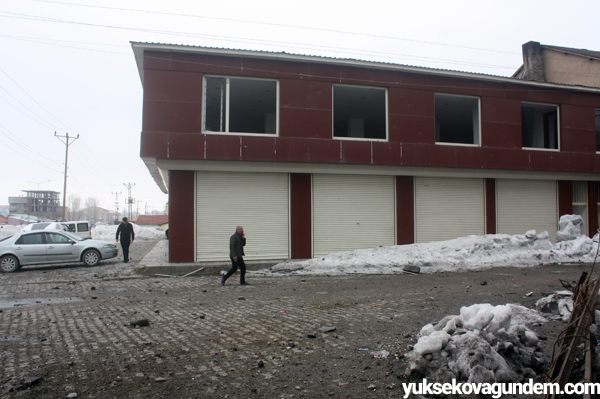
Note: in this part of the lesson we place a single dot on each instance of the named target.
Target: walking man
(125, 229)
(236, 254)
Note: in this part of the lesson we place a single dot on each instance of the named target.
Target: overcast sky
(67, 66)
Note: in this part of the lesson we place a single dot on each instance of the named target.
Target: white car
(37, 247)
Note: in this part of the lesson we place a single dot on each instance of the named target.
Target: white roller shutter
(448, 208)
(352, 212)
(257, 201)
(524, 205)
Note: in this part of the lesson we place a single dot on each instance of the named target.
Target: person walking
(236, 254)
(125, 230)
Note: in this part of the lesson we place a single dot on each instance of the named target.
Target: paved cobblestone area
(67, 330)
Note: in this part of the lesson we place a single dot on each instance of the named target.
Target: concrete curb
(156, 262)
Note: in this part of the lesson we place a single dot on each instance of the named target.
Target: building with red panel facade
(317, 155)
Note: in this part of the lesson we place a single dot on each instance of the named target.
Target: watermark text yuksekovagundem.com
(497, 389)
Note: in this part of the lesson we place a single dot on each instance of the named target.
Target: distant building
(4, 210)
(43, 204)
(161, 221)
(553, 64)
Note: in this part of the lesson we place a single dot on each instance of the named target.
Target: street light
(42, 182)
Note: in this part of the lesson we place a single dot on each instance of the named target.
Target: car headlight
(110, 246)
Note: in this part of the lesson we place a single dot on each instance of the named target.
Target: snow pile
(484, 343)
(569, 228)
(558, 305)
(460, 254)
(142, 233)
(9, 230)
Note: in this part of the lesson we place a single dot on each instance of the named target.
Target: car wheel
(91, 257)
(9, 264)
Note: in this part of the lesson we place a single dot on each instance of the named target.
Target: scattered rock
(140, 323)
(412, 269)
(327, 329)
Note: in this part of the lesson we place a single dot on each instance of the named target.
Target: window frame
(386, 111)
(475, 135)
(597, 128)
(557, 149)
(227, 104)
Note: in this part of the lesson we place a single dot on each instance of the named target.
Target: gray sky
(67, 66)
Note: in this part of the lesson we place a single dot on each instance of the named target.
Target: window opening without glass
(456, 119)
(240, 105)
(359, 112)
(539, 125)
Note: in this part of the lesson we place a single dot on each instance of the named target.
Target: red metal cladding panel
(259, 68)
(411, 102)
(514, 91)
(502, 110)
(386, 153)
(173, 86)
(223, 147)
(490, 206)
(494, 158)
(181, 223)
(593, 207)
(290, 69)
(294, 149)
(357, 76)
(167, 116)
(578, 140)
(544, 160)
(188, 62)
(305, 123)
(356, 152)
(186, 146)
(301, 215)
(443, 156)
(565, 197)
(577, 117)
(258, 148)
(405, 210)
(501, 135)
(467, 87)
(224, 65)
(408, 129)
(468, 157)
(414, 154)
(157, 60)
(327, 72)
(154, 145)
(305, 95)
(422, 81)
(308, 150)
(586, 99)
(534, 94)
(583, 162)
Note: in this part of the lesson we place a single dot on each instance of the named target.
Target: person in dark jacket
(125, 230)
(236, 254)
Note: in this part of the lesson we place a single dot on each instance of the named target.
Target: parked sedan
(51, 246)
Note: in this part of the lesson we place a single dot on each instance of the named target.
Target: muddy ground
(70, 331)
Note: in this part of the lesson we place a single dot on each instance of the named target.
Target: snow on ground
(460, 254)
(103, 232)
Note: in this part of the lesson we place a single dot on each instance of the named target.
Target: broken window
(539, 124)
(456, 119)
(359, 112)
(598, 130)
(240, 105)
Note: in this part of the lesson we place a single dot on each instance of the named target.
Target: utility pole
(67, 144)
(129, 198)
(116, 194)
